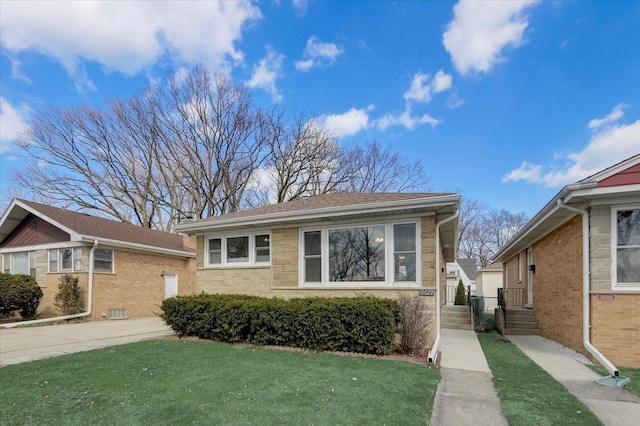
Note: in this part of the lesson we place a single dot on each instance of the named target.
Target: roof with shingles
(94, 226)
(333, 199)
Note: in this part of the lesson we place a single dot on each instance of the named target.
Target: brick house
(576, 264)
(128, 270)
(337, 244)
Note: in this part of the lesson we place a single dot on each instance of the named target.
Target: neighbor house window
(23, 263)
(239, 249)
(360, 254)
(67, 259)
(626, 247)
(103, 260)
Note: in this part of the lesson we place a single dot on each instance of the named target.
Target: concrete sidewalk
(613, 406)
(465, 395)
(31, 343)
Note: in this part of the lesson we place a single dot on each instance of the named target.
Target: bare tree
(185, 148)
(375, 169)
(482, 232)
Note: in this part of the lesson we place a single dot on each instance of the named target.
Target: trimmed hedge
(19, 293)
(362, 324)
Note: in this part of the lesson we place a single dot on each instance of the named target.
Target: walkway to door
(465, 394)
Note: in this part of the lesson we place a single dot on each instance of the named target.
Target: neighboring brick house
(337, 244)
(577, 265)
(131, 269)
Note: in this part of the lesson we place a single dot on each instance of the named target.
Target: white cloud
(300, 7)
(421, 91)
(481, 30)
(318, 53)
(609, 145)
(12, 123)
(615, 115)
(405, 119)
(266, 72)
(127, 37)
(348, 123)
(423, 86)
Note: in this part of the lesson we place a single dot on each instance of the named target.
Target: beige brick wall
(284, 257)
(135, 286)
(428, 258)
(600, 248)
(615, 328)
(558, 285)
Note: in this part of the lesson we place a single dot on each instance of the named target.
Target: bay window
(360, 255)
(625, 234)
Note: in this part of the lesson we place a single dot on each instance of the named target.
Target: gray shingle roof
(94, 226)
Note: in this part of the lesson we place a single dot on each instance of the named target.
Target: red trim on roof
(628, 176)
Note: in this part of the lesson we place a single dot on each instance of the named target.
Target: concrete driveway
(30, 343)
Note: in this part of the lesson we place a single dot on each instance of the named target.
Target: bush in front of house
(362, 324)
(19, 293)
(415, 323)
(67, 299)
(461, 295)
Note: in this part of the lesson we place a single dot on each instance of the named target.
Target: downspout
(586, 319)
(433, 352)
(66, 317)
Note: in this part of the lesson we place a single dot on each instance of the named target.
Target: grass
(181, 382)
(528, 394)
(632, 373)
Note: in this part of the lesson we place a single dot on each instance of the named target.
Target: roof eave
(136, 246)
(313, 214)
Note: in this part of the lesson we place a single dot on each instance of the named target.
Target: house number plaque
(427, 292)
(606, 297)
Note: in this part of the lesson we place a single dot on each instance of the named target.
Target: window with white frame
(625, 232)
(23, 263)
(65, 259)
(103, 260)
(239, 250)
(360, 254)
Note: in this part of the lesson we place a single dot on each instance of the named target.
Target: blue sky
(504, 101)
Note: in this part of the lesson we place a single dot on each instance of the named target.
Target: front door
(529, 277)
(170, 285)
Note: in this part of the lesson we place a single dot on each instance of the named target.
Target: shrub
(360, 324)
(19, 293)
(67, 300)
(414, 323)
(461, 296)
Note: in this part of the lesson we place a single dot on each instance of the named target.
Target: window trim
(252, 254)
(629, 287)
(59, 269)
(32, 261)
(113, 262)
(389, 255)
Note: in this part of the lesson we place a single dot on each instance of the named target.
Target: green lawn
(181, 382)
(528, 394)
(632, 373)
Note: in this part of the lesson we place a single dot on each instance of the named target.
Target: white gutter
(433, 352)
(66, 317)
(318, 213)
(586, 320)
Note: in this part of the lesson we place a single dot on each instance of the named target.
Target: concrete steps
(519, 322)
(455, 317)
